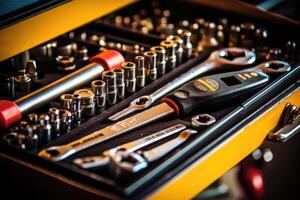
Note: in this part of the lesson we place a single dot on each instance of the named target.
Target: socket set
(99, 102)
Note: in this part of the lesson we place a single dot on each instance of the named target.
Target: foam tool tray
(229, 115)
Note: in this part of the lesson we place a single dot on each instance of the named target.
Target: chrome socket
(150, 65)
(76, 109)
(66, 120)
(87, 103)
(109, 77)
(22, 82)
(98, 87)
(54, 122)
(179, 50)
(32, 70)
(65, 63)
(32, 119)
(120, 83)
(44, 130)
(161, 59)
(170, 47)
(187, 45)
(130, 77)
(66, 101)
(140, 71)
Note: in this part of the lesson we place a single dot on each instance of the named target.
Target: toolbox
(242, 119)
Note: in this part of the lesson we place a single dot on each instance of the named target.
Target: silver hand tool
(130, 77)
(65, 63)
(120, 83)
(150, 65)
(87, 103)
(44, 130)
(66, 101)
(224, 58)
(98, 87)
(170, 47)
(179, 50)
(55, 122)
(57, 153)
(161, 59)
(133, 162)
(140, 71)
(66, 120)
(103, 160)
(109, 77)
(76, 109)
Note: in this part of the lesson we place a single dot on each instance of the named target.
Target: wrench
(224, 58)
(124, 162)
(103, 159)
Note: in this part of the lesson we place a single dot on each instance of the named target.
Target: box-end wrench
(234, 58)
(11, 111)
(103, 159)
(205, 91)
(124, 163)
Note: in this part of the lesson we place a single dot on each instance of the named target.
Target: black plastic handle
(215, 89)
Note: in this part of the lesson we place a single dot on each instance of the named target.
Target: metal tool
(54, 122)
(224, 58)
(108, 59)
(130, 77)
(87, 98)
(202, 120)
(161, 59)
(120, 83)
(76, 109)
(31, 138)
(44, 130)
(150, 65)
(170, 47)
(140, 71)
(66, 101)
(22, 82)
(179, 50)
(209, 40)
(32, 70)
(201, 92)
(65, 63)
(65, 120)
(103, 159)
(98, 87)
(125, 163)
(109, 77)
(186, 45)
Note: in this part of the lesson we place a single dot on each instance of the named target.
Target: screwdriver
(11, 111)
(202, 92)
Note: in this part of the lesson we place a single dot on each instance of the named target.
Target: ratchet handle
(215, 89)
(11, 111)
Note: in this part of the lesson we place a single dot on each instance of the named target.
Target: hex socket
(161, 59)
(109, 77)
(130, 76)
(170, 47)
(140, 71)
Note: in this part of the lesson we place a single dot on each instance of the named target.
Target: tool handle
(215, 89)
(11, 112)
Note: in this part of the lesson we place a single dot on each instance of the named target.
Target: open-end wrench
(124, 162)
(235, 58)
(103, 159)
(203, 92)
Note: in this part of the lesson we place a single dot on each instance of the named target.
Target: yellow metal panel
(52, 23)
(209, 168)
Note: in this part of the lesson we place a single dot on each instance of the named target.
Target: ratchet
(225, 58)
(11, 111)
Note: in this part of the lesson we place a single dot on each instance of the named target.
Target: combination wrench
(232, 58)
(104, 159)
(133, 162)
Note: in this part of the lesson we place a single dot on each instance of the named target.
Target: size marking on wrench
(133, 162)
(103, 159)
(224, 58)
